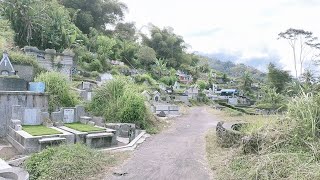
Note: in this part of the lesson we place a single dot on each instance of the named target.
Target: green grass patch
(83, 127)
(39, 130)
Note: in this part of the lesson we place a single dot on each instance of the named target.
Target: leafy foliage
(59, 89)
(44, 24)
(66, 162)
(124, 103)
(95, 13)
(277, 78)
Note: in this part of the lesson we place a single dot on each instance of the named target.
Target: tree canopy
(95, 13)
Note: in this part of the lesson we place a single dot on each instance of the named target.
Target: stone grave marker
(32, 117)
(86, 85)
(68, 116)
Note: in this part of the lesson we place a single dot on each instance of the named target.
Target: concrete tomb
(27, 143)
(96, 139)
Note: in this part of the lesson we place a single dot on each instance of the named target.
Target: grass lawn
(40, 130)
(83, 127)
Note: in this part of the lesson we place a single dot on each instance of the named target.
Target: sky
(243, 31)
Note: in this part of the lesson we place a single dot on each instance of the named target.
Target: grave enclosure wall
(23, 98)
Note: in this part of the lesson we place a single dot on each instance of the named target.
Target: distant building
(192, 92)
(184, 78)
(229, 92)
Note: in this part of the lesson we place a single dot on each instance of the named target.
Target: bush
(96, 66)
(168, 80)
(65, 162)
(145, 77)
(120, 100)
(59, 89)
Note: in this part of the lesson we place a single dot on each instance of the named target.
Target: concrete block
(85, 119)
(91, 123)
(17, 127)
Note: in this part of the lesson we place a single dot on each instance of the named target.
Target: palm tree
(161, 66)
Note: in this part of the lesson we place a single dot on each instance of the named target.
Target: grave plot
(30, 131)
(75, 121)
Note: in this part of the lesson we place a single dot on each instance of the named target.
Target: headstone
(80, 111)
(86, 85)
(89, 96)
(57, 116)
(32, 117)
(68, 116)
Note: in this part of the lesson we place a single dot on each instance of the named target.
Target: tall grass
(288, 148)
(120, 100)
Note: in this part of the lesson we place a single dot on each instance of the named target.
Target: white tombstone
(85, 85)
(32, 117)
(68, 115)
(89, 96)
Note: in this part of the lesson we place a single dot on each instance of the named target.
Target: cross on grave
(6, 67)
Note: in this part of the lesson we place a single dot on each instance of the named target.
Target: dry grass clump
(289, 146)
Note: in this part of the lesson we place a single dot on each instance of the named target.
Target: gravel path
(177, 153)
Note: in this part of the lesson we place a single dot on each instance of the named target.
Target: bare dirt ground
(6, 150)
(177, 153)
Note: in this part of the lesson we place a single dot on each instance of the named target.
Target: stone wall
(12, 84)
(24, 99)
(51, 60)
(25, 72)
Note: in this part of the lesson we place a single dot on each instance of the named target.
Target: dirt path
(177, 153)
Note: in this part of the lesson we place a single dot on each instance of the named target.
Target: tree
(95, 13)
(225, 78)
(246, 82)
(146, 56)
(160, 67)
(44, 24)
(167, 45)
(277, 78)
(303, 44)
(125, 31)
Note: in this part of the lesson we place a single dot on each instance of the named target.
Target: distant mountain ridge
(235, 70)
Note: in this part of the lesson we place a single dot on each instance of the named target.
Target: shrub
(168, 80)
(59, 89)
(120, 100)
(96, 66)
(202, 84)
(115, 72)
(145, 77)
(65, 162)
(133, 109)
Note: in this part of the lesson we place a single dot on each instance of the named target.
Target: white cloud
(245, 26)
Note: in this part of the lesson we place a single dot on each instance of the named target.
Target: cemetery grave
(75, 121)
